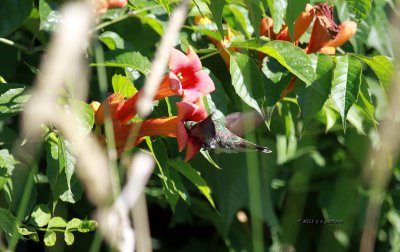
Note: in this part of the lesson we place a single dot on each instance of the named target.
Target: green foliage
(13, 14)
(360, 8)
(12, 99)
(314, 173)
(294, 8)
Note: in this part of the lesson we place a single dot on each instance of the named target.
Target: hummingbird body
(213, 135)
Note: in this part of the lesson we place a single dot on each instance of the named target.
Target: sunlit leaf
(8, 222)
(49, 15)
(56, 223)
(216, 8)
(241, 17)
(112, 40)
(278, 11)
(12, 99)
(69, 237)
(121, 84)
(312, 98)
(40, 216)
(360, 8)
(346, 84)
(291, 57)
(294, 8)
(85, 115)
(208, 157)
(161, 157)
(382, 66)
(255, 13)
(74, 223)
(244, 78)
(124, 58)
(50, 238)
(365, 103)
(87, 226)
(193, 176)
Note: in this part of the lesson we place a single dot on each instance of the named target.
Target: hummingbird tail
(263, 149)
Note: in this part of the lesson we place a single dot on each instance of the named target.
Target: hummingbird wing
(240, 123)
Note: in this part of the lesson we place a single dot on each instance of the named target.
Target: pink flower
(188, 111)
(186, 77)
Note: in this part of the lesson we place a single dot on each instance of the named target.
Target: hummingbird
(213, 135)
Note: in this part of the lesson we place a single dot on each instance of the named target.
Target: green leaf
(291, 57)
(175, 182)
(278, 11)
(50, 238)
(121, 84)
(365, 103)
(360, 8)
(124, 58)
(52, 159)
(13, 14)
(255, 12)
(245, 76)
(7, 137)
(355, 119)
(312, 98)
(165, 5)
(193, 176)
(161, 157)
(69, 237)
(278, 78)
(56, 223)
(208, 157)
(346, 84)
(74, 224)
(60, 172)
(49, 15)
(12, 99)
(330, 117)
(205, 31)
(34, 237)
(87, 226)
(294, 8)
(216, 8)
(27, 231)
(8, 222)
(85, 118)
(66, 159)
(240, 18)
(382, 66)
(40, 216)
(7, 161)
(112, 40)
(153, 23)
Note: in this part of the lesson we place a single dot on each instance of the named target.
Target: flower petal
(178, 60)
(185, 110)
(188, 111)
(194, 60)
(181, 136)
(192, 149)
(163, 126)
(205, 84)
(175, 84)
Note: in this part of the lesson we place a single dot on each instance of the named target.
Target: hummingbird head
(189, 124)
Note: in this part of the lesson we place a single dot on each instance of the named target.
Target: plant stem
(25, 49)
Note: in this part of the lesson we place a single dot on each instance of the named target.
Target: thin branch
(23, 48)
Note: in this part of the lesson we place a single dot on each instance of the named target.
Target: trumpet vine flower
(189, 112)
